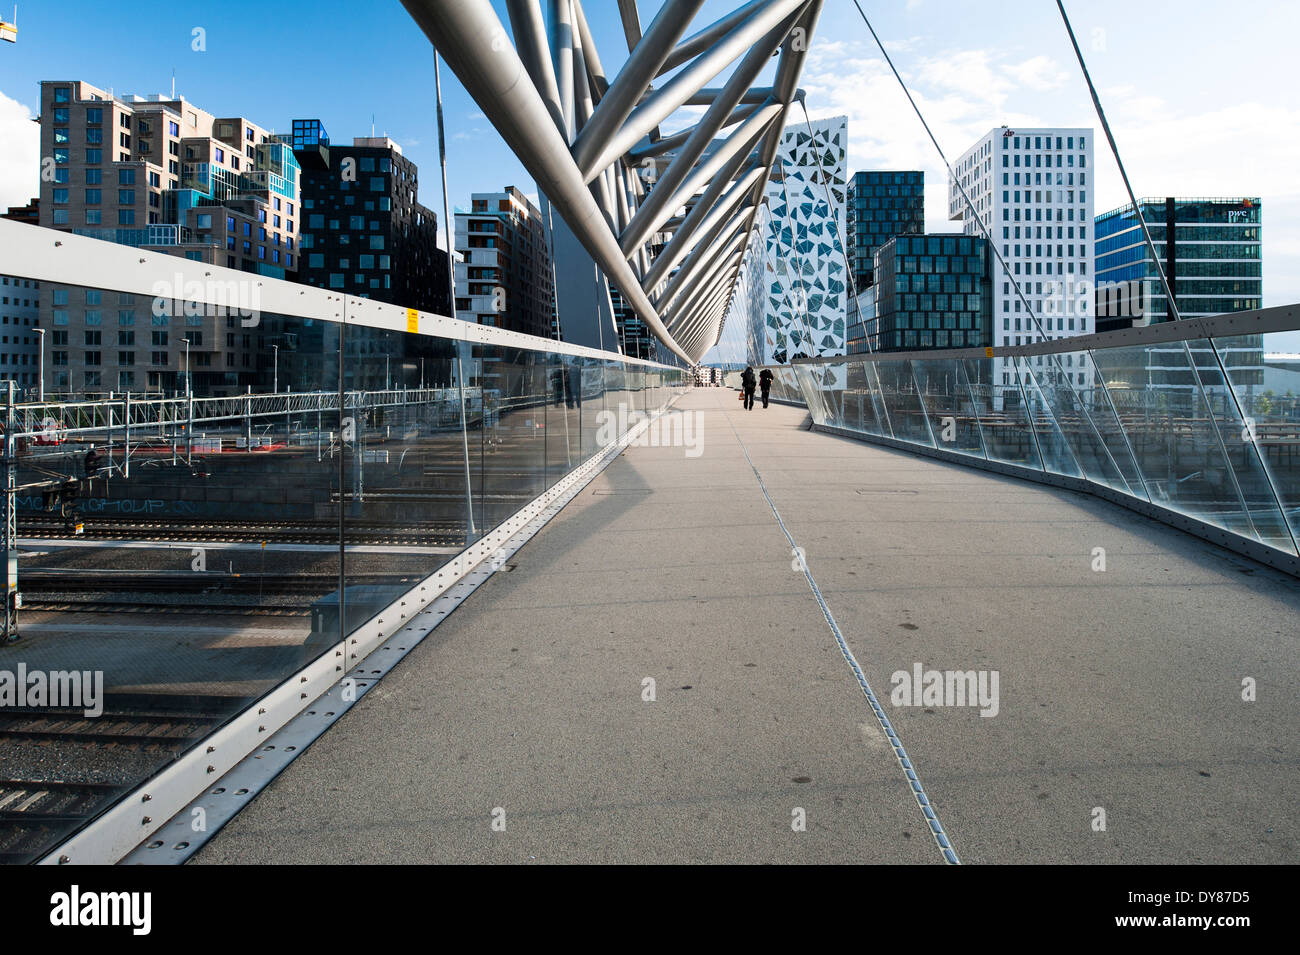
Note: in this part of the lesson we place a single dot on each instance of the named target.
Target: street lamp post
(188, 385)
(275, 386)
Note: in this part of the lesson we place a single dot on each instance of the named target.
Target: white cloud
(1038, 73)
(20, 154)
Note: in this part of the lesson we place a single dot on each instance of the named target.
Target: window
(94, 116)
(94, 217)
(126, 217)
(94, 157)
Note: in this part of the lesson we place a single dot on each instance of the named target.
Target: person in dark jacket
(765, 384)
(747, 382)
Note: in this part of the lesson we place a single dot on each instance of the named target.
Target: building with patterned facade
(799, 311)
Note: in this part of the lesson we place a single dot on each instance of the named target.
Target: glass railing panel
(1265, 373)
(947, 402)
(513, 449)
(1176, 439)
(863, 405)
(404, 497)
(564, 450)
(1049, 434)
(591, 398)
(809, 382)
(1000, 408)
(901, 396)
(1090, 415)
(1232, 401)
(615, 401)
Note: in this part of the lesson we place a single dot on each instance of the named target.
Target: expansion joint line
(904, 761)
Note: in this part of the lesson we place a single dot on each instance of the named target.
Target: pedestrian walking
(747, 382)
(765, 384)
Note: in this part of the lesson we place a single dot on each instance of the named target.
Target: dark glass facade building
(881, 204)
(931, 291)
(363, 230)
(1210, 250)
(364, 233)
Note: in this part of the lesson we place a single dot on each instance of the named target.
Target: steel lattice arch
(666, 218)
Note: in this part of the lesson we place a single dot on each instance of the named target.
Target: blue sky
(1202, 95)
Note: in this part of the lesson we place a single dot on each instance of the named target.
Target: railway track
(36, 813)
(116, 728)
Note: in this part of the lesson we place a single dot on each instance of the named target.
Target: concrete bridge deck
(1118, 690)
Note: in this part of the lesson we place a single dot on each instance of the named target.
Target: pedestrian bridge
(395, 587)
(762, 586)
(548, 605)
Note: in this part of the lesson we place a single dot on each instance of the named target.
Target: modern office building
(1211, 253)
(805, 295)
(1031, 189)
(159, 173)
(19, 339)
(364, 231)
(931, 291)
(1211, 257)
(505, 277)
(881, 204)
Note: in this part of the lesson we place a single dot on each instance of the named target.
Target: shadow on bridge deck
(1118, 690)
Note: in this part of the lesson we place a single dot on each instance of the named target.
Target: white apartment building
(1033, 190)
